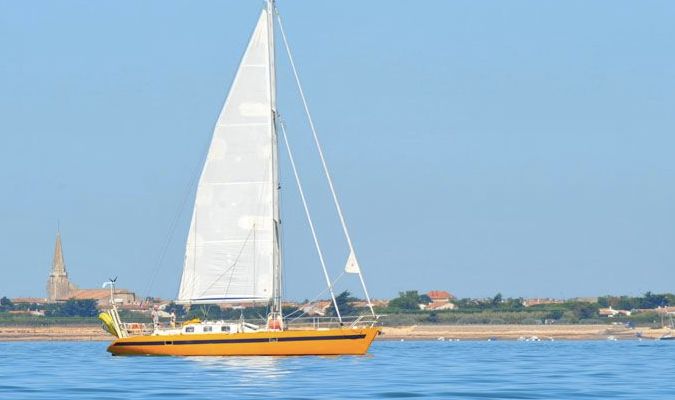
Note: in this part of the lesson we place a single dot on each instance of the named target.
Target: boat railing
(361, 321)
(137, 328)
(332, 322)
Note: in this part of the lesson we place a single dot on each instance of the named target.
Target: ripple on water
(457, 370)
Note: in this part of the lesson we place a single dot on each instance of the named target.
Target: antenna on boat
(111, 284)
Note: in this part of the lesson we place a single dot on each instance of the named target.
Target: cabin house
(440, 300)
(611, 313)
(30, 300)
(540, 301)
(316, 309)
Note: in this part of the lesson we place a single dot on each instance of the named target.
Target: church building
(60, 289)
(58, 285)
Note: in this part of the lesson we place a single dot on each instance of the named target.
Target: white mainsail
(230, 251)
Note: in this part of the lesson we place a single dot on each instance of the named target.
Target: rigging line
(313, 300)
(234, 264)
(174, 224)
(309, 217)
(317, 296)
(195, 219)
(308, 304)
(321, 156)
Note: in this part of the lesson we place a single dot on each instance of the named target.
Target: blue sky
(478, 147)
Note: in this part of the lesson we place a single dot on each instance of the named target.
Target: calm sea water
(443, 370)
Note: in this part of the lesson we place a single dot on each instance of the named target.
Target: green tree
(408, 300)
(210, 312)
(585, 310)
(6, 304)
(627, 303)
(433, 317)
(424, 299)
(343, 301)
(604, 301)
(650, 300)
(555, 314)
(178, 309)
(510, 304)
(467, 303)
(76, 308)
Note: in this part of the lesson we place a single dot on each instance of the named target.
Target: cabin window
(189, 329)
(208, 328)
(224, 328)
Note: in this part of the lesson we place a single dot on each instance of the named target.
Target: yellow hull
(273, 343)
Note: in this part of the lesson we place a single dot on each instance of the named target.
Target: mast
(275, 314)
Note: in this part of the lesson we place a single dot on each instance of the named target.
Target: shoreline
(416, 332)
(515, 332)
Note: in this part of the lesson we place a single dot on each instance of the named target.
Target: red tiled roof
(439, 295)
(38, 300)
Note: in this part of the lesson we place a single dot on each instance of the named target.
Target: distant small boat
(671, 325)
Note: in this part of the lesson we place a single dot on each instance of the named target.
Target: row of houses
(611, 312)
(126, 300)
(101, 296)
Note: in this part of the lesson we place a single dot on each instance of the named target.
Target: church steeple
(58, 265)
(58, 285)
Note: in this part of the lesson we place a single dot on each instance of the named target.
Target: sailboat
(233, 248)
(668, 335)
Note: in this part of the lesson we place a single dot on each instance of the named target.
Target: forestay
(230, 246)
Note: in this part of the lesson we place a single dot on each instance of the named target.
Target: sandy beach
(514, 332)
(52, 333)
(416, 332)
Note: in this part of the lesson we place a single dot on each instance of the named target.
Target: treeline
(410, 300)
(70, 308)
(344, 301)
(405, 309)
(490, 310)
(648, 301)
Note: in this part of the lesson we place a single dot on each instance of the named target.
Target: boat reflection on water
(244, 369)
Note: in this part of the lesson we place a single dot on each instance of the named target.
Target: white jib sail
(229, 251)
